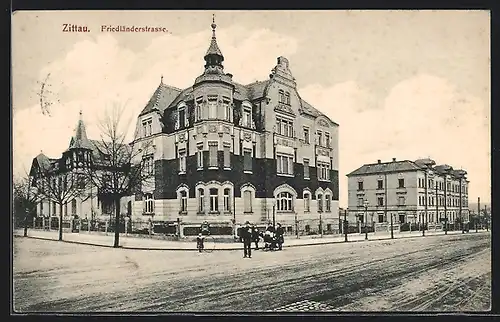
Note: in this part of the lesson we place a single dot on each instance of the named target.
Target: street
(435, 273)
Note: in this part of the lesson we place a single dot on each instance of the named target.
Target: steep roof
(385, 167)
(80, 140)
(214, 49)
(163, 96)
(43, 161)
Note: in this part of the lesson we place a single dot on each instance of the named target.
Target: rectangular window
(320, 138)
(360, 201)
(306, 135)
(307, 202)
(247, 201)
(306, 169)
(284, 164)
(323, 171)
(227, 157)
(360, 185)
(247, 160)
(214, 200)
(212, 154)
(327, 139)
(199, 157)
(380, 184)
(182, 161)
(212, 107)
(148, 165)
(401, 183)
(247, 116)
(380, 201)
(147, 127)
(401, 201)
(199, 103)
(227, 110)
(287, 98)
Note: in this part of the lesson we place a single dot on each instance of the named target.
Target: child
(199, 242)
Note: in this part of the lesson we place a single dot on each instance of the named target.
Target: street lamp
(366, 218)
(274, 213)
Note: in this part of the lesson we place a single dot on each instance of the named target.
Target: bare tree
(25, 201)
(120, 167)
(57, 184)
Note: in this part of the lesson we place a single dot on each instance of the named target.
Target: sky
(401, 84)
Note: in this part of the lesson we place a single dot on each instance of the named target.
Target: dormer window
(212, 107)
(181, 116)
(147, 127)
(247, 116)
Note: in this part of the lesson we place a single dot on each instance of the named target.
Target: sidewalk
(97, 239)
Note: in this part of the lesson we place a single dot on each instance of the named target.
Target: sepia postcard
(251, 161)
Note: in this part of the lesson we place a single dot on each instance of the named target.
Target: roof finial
(161, 79)
(213, 26)
(81, 113)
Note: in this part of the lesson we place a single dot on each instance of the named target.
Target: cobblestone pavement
(306, 306)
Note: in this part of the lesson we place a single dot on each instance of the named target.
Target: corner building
(228, 153)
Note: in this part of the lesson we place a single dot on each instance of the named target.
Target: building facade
(63, 184)
(228, 153)
(410, 191)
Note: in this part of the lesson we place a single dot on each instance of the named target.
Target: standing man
(246, 233)
(255, 236)
(280, 232)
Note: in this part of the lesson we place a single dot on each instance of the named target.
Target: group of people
(273, 238)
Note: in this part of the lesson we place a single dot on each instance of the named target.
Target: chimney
(393, 159)
(379, 161)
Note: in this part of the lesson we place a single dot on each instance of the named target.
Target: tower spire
(214, 57)
(213, 26)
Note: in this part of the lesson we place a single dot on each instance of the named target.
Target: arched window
(285, 201)
(201, 200)
(149, 203)
(227, 204)
(214, 200)
(320, 202)
(307, 202)
(73, 207)
(328, 202)
(184, 200)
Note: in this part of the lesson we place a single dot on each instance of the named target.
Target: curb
(235, 249)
